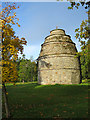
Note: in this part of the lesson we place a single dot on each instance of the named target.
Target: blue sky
(37, 19)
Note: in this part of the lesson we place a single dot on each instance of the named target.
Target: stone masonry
(57, 63)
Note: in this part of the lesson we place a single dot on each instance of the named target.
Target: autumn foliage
(11, 44)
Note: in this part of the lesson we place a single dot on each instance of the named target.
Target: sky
(37, 19)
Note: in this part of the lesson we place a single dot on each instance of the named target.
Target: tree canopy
(27, 70)
(82, 34)
(11, 44)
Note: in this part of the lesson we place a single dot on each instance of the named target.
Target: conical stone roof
(57, 62)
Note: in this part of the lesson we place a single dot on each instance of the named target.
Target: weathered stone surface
(57, 62)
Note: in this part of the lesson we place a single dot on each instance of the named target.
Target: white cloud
(31, 50)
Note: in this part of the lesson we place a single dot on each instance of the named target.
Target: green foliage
(70, 7)
(86, 81)
(85, 61)
(82, 34)
(27, 70)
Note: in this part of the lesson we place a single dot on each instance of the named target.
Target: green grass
(48, 101)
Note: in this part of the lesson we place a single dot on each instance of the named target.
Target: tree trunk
(6, 101)
(23, 81)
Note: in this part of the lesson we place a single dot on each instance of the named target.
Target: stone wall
(57, 62)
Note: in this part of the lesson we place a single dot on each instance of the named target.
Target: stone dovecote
(57, 63)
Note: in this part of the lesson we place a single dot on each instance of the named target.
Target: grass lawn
(48, 101)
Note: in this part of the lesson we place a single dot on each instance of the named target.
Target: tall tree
(27, 70)
(82, 34)
(11, 45)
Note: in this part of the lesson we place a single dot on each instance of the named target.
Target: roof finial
(56, 27)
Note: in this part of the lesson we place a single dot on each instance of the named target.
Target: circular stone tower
(57, 63)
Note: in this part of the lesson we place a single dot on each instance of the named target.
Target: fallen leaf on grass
(64, 111)
(55, 109)
(41, 105)
(51, 94)
(41, 113)
(64, 105)
(70, 107)
(87, 97)
(72, 112)
(48, 98)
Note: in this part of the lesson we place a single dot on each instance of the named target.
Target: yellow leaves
(23, 41)
(86, 20)
(17, 19)
(3, 9)
(14, 7)
(9, 71)
(6, 62)
(13, 23)
(14, 14)
(8, 21)
(6, 10)
(88, 12)
(0, 25)
(22, 38)
(18, 24)
(10, 49)
(9, 17)
(11, 44)
(2, 21)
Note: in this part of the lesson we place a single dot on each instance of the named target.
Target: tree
(27, 70)
(82, 34)
(11, 45)
(22, 72)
